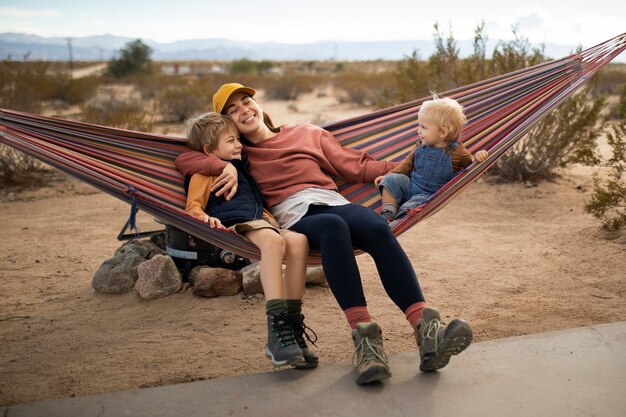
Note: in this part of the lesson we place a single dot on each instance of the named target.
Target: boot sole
(373, 375)
(459, 339)
(293, 361)
(307, 364)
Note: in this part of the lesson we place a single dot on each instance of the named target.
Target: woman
(292, 165)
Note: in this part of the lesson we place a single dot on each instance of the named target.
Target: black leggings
(336, 231)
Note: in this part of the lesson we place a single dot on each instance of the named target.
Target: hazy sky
(550, 21)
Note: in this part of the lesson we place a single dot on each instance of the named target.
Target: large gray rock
(145, 248)
(118, 274)
(251, 279)
(215, 282)
(158, 277)
(315, 276)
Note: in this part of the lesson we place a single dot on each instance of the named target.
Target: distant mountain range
(18, 46)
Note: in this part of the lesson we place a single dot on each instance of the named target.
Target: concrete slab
(575, 372)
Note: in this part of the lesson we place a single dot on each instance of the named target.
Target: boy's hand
(480, 156)
(226, 183)
(378, 180)
(213, 222)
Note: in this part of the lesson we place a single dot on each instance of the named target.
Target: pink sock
(414, 313)
(356, 315)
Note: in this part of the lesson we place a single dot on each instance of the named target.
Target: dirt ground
(510, 259)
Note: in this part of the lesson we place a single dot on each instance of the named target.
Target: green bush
(134, 58)
(111, 111)
(288, 86)
(179, 102)
(608, 200)
(25, 85)
(243, 66)
(566, 135)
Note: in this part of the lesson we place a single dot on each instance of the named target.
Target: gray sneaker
(300, 330)
(437, 342)
(282, 347)
(369, 358)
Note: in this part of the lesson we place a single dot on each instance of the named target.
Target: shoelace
(283, 330)
(369, 351)
(302, 329)
(431, 331)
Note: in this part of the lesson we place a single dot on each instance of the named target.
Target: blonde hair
(444, 112)
(205, 130)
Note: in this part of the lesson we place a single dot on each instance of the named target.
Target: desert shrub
(444, 63)
(288, 86)
(476, 67)
(111, 111)
(608, 200)
(411, 81)
(621, 108)
(567, 134)
(24, 85)
(17, 168)
(179, 102)
(243, 66)
(75, 91)
(363, 89)
(515, 54)
(610, 80)
(134, 58)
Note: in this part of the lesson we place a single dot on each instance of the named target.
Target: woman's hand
(480, 156)
(226, 183)
(213, 222)
(378, 180)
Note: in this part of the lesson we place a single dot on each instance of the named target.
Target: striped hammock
(138, 167)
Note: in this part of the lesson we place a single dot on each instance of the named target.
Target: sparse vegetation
(566, 135)
(18, 169)
(124, 114)
(608, 200)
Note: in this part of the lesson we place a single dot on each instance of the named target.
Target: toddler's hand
(213, 222)
(378, 180)
(480, 156)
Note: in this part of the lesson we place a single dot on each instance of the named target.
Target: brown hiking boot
(369, 358)
(437, 342)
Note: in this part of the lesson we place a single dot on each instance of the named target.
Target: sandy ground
(510, 259)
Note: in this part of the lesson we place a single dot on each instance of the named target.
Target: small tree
(134, 58)
(516, 54)
(412, 80)
(608, 201)
(444, 63)
(476, 67)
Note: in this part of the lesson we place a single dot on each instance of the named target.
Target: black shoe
(300, 330)
(282, 346)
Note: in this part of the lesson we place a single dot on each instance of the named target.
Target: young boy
(432, 163)
(245, 214)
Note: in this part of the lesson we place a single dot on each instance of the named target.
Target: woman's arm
(193, 162)
(350, 164)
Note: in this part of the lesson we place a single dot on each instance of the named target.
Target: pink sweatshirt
(298, 157)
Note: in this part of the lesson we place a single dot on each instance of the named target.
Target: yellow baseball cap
(225, 91)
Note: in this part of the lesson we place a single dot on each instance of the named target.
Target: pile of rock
(144, 266)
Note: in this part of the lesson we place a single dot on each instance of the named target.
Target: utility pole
(69, 47)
